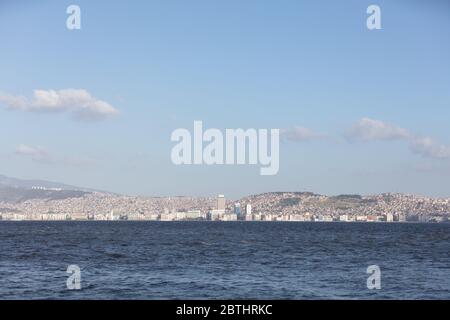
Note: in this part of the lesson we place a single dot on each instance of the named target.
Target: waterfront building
(229, 217)
(194, 215)
(257, 217)
(215, 215)
(237, 209)
(296, 217)
(389, 217)
(248, 210)
(180, 215)
(168, 217)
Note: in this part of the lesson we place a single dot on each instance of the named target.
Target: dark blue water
(236, 260)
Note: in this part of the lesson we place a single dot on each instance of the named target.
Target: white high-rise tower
(221, 202)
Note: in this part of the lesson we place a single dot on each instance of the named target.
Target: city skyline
(40, 203)
(364, 114)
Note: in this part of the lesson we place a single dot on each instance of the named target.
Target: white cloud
(36, 153)
(427, 147)
(298, 134)
(367, 129)
(80, 103)
(42, 155)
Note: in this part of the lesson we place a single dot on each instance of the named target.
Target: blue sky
(231, 64)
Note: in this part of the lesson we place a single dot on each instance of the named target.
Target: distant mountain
(15, 195)
(29, 184)
(18, 190)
